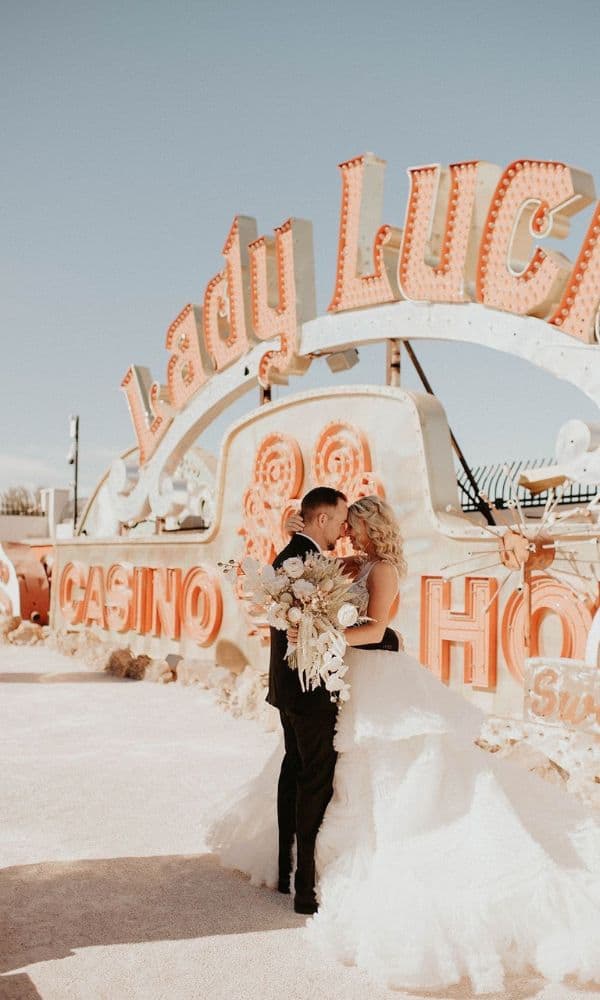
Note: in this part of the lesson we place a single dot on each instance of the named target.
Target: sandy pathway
(107, 892)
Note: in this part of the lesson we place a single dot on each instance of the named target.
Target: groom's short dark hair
(321, 496)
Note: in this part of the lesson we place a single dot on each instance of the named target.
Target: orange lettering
(474, 628)
(290, 257)
(571, 709)
(71, 592)
(166, 585)
(142, 599)
(94, 602)
(533, 198)
(149, 409)
(189, 364)
(548, 596)
(577, 312)
(201, 606)
(362, 239)
(591, 708)
(546, 702)
(119, 597)
(445, 214)
(227, 298)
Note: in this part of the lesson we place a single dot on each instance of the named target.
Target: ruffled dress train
(435, 860)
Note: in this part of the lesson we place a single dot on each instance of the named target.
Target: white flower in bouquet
(303, 589)
(276, 618)
(347, 615)
(337, 644)
(294, 615)
(251, 567)
(278, 586)
(294, 567)
(334, 663)
(336, 683)
(267, 573)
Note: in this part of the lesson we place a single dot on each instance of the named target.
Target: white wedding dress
(435, 860)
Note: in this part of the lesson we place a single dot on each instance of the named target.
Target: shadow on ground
(18, 987)
(56, 907)
(76, 677)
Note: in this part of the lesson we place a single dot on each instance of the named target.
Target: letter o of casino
(201, 606)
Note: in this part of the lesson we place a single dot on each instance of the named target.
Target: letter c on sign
(201, 606)
(72, 579)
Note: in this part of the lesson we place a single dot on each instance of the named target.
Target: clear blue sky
(134, 132)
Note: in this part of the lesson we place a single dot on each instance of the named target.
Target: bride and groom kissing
(308, 717)
(433, 860)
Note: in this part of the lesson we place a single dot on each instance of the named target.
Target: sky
(133, 133)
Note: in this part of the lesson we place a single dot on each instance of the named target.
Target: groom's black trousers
(304, 790)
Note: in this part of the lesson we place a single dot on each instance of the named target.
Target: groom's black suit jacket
(285, 692)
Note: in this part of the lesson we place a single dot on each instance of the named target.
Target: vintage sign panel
(164, 594)
(362, 439)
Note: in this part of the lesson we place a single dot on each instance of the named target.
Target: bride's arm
(382, 584)
(293, 523)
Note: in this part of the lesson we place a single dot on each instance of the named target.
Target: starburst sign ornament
(545, 545)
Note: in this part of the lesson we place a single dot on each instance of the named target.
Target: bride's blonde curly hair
(382, 528)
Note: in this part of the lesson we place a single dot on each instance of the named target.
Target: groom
(308, 718)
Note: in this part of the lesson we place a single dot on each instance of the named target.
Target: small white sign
(562, 692)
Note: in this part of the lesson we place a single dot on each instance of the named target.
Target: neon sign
(471, 235)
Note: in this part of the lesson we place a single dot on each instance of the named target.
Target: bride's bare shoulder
(384, 573)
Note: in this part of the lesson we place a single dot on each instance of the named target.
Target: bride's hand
(292, 634)
(294, 523)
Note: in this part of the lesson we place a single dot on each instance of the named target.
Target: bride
(435, 861)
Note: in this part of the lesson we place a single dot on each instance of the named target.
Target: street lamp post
(73, 459)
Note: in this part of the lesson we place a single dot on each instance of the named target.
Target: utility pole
(477, 498)
(392, 362)
(73, 459)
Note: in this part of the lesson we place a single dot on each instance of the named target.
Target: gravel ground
(107, 891)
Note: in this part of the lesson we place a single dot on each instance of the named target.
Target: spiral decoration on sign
(276, 479)
(342, 459)
(257, 526)
(278, 468)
